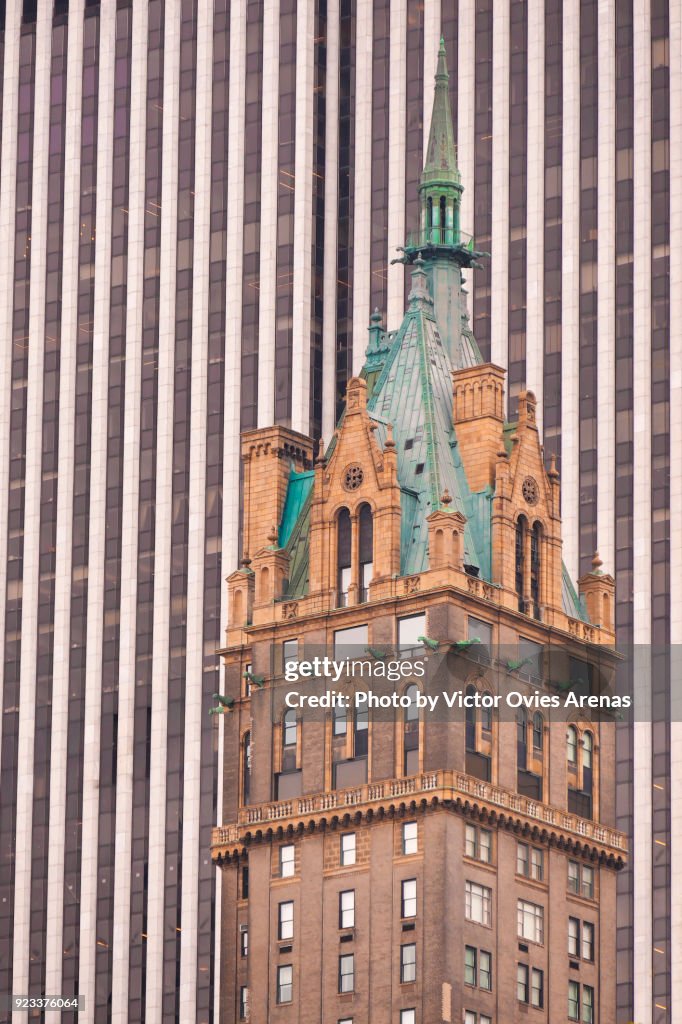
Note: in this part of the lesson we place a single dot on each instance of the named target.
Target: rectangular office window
(573, 1000)
(347, 849)
(345, 1020)
(530, 862)
(290, 652)
(573, 937)
(587, 882)
(408, 1017)
(581, 879)
(478, 903)
(287, 861)
(481, 631)
(530, 657)
(245, 883)
(537, 988)
(347, 973)
(574, 876)
(588, 1004)
(522, 983)
(347, 909)
(351, 642)
(408, 962)
(588, 941)
(243, 1002)
(530, 919)
(410, 837)
(470, 965)
(478, 843)
(471, 1017)
(285, 983)
(537, 864)
(408, 898)
(409, 631)
(285, 920)
(485, 970)
(244, 940)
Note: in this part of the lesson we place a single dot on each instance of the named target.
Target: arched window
(246, 768)
(343, 556)
(521, 526)
(411, 733)
(470, 722)
(535, 549)
(289, 741)
(588, 747)
(361, 734)
(264, 583)
(572, 746)
(538, 732)
(522, 739)
(340, 720)
(366, 526)
(429, 212)
(442, 218)
(486, 720)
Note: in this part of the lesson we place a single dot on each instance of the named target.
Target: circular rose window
(353, 477)
(529, 489)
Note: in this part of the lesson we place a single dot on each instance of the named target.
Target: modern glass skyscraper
(199, 202)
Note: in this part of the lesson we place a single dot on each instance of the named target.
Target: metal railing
(450, 785)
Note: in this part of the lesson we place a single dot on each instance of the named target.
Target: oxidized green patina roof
(409, 378)
(414, 394)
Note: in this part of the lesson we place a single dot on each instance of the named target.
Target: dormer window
(354, 554)
(528, 557)
(521, 529)
(366, 550)
(343, 557)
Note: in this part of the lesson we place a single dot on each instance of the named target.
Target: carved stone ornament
(353, 477)
(529, 489)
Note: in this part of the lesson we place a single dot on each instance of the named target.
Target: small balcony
(456, 790)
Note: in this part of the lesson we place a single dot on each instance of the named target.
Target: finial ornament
(446, 498)
(273, 535)
(553, 472)
(389, 442)
(319, 461)
(596, 563)
(246, 561)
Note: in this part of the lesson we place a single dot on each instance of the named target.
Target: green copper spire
(438, 240)
(441, 153)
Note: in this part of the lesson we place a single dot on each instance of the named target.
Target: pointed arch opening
(366, 550)
(343, 556)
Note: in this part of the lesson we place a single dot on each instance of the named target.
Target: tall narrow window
(361, 734)
(572, 746)
(521, 526)
(535, 547)
(411, 734)
(246, 768)
(343, 556)
(470, 738)
(588, 749)
(538, 733)
(522, 739)
(289, 738)
(366, 525)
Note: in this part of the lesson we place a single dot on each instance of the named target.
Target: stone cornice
(452, 790)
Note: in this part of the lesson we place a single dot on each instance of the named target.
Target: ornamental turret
(439, 240)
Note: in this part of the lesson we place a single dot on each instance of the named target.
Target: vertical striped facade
(199, 203)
